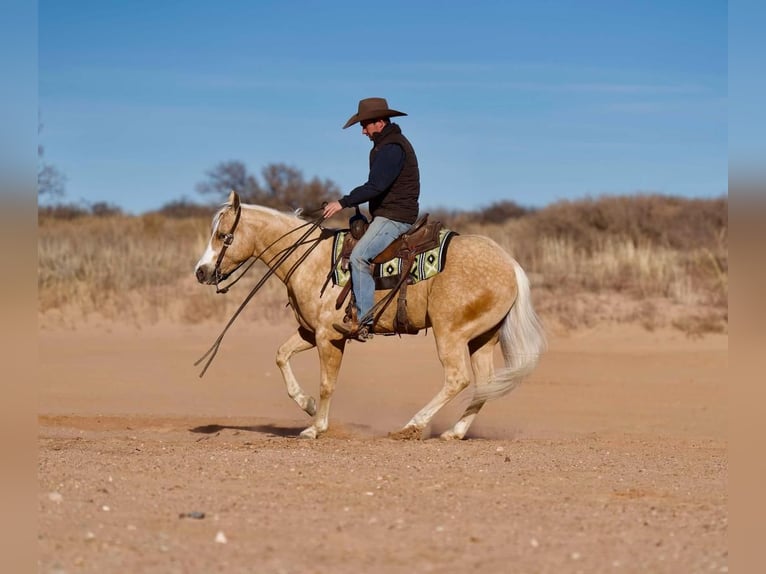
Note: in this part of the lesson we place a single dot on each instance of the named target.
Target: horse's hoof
(311, 406)
(450, 435)
(407, 433)
(310, 432)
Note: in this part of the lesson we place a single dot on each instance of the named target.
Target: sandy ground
(611, 457)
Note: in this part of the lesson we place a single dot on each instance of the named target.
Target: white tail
(522, 341)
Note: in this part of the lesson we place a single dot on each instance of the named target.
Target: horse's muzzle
(203, 276)
(208, 275)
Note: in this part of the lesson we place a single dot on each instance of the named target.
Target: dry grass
(136, 269)
(655, 261)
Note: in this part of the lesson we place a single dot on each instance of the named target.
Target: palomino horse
(481, 297)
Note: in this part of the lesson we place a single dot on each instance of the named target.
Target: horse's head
(224, 253)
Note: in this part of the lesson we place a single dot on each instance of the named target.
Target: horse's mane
(268, 210)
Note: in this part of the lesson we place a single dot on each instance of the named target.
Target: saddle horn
(358, 224)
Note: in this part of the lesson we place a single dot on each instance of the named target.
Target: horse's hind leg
(481, 351)
(457, 377)
(300, 341)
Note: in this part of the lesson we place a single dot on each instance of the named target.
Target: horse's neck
(272, 232)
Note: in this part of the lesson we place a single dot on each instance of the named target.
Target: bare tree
(284, 186)
(230, 175)
(51, 183)
(317, 191)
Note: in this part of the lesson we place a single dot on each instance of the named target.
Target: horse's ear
(233, 199)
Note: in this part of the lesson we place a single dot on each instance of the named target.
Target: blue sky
(528, 101)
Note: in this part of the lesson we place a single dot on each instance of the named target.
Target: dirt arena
(611, 457)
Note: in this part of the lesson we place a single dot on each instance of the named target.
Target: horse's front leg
(303, 340)
(330, 357)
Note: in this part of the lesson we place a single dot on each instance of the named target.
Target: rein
(274, 263)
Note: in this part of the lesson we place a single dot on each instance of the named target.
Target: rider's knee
(360, 261)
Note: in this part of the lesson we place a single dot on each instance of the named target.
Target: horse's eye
(221, 236)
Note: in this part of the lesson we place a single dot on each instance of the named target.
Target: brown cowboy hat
(372, 109)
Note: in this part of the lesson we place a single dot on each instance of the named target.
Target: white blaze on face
(209, 256)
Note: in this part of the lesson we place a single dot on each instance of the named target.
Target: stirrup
(361, 333)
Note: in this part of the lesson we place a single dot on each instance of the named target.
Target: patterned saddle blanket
(425, 266)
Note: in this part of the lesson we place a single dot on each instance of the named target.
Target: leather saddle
(421, 237)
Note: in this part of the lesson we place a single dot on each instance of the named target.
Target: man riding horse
(392, 190)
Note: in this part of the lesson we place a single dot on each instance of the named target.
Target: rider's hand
(331, 209)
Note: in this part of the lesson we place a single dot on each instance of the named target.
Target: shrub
(650, 252)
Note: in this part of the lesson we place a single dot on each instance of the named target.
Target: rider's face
(372, 127)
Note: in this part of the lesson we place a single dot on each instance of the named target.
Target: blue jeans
(378, 236)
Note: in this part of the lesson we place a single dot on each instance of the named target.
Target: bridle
(228, 239)
(273, 263)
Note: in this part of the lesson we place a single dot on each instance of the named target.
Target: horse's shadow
(285, 431)
(270, 429)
